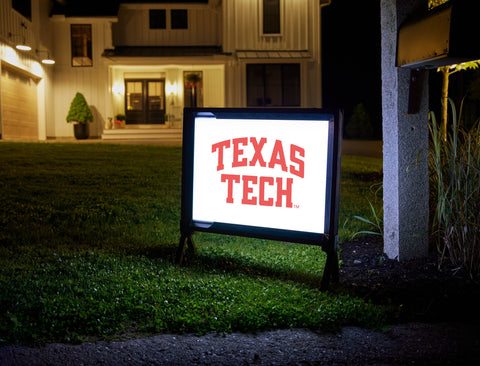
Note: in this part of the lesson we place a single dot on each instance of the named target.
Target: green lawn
(88, 234)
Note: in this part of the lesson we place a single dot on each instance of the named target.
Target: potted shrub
(81, 115)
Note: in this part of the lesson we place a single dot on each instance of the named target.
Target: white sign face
(265, 173)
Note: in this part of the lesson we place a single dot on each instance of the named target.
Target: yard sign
(266, 173)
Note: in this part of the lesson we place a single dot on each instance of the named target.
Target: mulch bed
(418, 289)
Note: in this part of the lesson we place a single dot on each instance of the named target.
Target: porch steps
(170, 135)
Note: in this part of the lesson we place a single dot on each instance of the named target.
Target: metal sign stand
(331, 271)
(186, 245)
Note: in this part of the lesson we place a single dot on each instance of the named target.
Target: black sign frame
(328, 241)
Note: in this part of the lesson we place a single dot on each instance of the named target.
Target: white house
(147, 60)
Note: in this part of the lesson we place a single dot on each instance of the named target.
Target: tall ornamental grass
(455, 185)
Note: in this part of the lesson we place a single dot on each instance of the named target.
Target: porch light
(46, 60)
(172, 89)
(23, 46)
(118, 88)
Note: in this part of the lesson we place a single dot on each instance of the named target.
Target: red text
(233, 151)
(254, 190)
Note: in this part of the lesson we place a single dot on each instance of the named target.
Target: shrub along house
(147, 60)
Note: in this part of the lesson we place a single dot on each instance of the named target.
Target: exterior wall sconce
(46, 60)
(22, 44)
(172, 89)
(118, 89)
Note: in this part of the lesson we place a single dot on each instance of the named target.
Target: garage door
(19, 105)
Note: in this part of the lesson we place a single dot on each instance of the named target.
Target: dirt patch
(435, 322)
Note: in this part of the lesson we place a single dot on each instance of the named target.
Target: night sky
(351, 57)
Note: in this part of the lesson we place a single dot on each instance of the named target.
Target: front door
(145, 101)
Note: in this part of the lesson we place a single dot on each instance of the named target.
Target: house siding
(37, 33)
(298, 42)
(133, 27)
(233, 26)
(91, 81)
(242, 26)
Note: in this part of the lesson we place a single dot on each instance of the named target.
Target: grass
(88, 234)
(360, 195)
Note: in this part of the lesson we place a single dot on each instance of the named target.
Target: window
(81, 44)
(273, 85)
(182, 1)
(24, 7)
(179, 19)
(158, 19)
(134, 95)
(271, 16)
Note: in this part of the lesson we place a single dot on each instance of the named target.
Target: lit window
(81, 44)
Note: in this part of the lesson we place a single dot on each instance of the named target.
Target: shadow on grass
(166, 252)
(225, 262)
(249, 267)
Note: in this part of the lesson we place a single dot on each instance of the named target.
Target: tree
(446, 72)
(359, 125)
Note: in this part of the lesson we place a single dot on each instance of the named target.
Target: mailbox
(445, 36)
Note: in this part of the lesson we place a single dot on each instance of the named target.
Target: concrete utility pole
(405, 184)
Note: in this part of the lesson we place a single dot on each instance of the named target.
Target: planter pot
(81, 131)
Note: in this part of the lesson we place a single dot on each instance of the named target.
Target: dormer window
(81, 43)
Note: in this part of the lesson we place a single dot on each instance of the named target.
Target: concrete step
(143, 133)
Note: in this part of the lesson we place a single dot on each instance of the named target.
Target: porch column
(405, 184)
